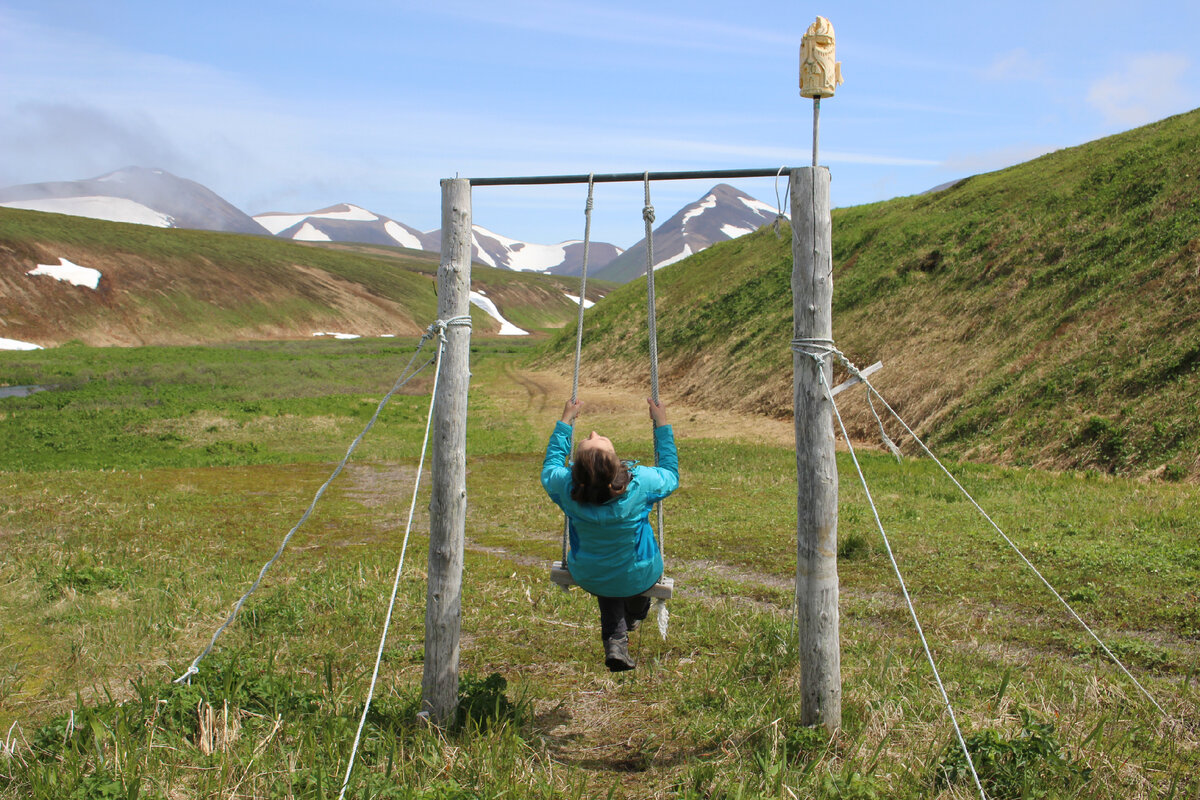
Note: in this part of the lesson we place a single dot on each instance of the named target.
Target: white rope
(652, 333)
(399, 566)
(587, 241)
(820, 361)
(871, 389)
(661, 615)
(780, 205)
(800, 344)
(437, 328)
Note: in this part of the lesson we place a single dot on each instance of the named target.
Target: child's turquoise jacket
(613, 551)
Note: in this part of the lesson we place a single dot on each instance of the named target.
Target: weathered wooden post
(816, 467)
(448, 505)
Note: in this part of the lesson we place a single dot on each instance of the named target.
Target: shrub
(1028, 766)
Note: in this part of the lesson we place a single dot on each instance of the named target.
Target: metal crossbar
(630, 177)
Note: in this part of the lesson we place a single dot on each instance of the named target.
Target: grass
(126, 545)
(1042, 315)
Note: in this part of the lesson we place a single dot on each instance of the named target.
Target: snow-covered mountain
(135, 194)
(345, 223)
(351, 223)
(723, 213)
(156, 197)
(564, 258)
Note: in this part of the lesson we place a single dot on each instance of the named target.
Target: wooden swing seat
(662, 590)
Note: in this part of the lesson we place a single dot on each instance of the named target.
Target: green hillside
(169, 286)
(1044, 314)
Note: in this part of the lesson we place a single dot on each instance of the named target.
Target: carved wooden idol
(820, 74)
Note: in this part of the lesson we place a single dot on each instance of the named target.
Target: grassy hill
(167, 286)
(1044, 314)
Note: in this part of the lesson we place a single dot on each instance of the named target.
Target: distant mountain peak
(722, 213)
(147, 196)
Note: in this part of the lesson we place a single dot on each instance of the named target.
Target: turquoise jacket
(613, 551)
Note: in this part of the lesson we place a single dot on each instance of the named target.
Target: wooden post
(816, 468)
(448, 506)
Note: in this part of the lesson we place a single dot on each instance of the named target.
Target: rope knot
(648, 214)
(438, 327)
(816, 349)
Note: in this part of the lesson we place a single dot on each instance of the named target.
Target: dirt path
(623, 408)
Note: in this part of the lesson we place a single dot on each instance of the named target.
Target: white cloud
(768, 155)
(1149, 88)
(1017, 65)
(607, 23)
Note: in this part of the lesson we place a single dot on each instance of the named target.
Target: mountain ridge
(158, 198)
(1042, 315)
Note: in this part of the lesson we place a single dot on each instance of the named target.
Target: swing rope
(661, 615)
(648, 218)
(441, 335)
(587, 241)
(652, 326)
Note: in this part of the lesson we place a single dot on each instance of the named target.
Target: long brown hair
(598, 476)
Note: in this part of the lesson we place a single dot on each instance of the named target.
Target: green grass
(1041, 315)
(125, 548)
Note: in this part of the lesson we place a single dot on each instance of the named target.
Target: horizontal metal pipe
(630, 177)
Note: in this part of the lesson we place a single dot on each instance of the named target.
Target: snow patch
(403, 238)
(353, 213)
(71, 273)
(687, 251)
(506, 327)
(276, 223)
(308, 233)
(759, 205)
(336, 335)
(574, 299)
(17, 344)
(733, 231)
(112, 209)
(708, 202)
(524, 256)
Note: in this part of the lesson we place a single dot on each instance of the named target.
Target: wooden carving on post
(820, 72)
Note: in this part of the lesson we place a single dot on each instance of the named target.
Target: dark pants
(618, 613)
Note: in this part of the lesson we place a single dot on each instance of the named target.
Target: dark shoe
(631, 625)
(616, 654)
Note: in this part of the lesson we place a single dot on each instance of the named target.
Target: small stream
(20, 391)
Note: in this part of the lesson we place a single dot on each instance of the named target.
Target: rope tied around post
(818, 349)
(438, 327)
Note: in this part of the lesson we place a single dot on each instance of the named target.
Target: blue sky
(296, 106)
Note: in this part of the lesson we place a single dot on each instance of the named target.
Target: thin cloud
(76, 141)
(1017, 65)
(1149, 88)
(770, 155)
(621, 26)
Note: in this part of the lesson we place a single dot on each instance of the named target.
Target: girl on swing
(613, 553)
